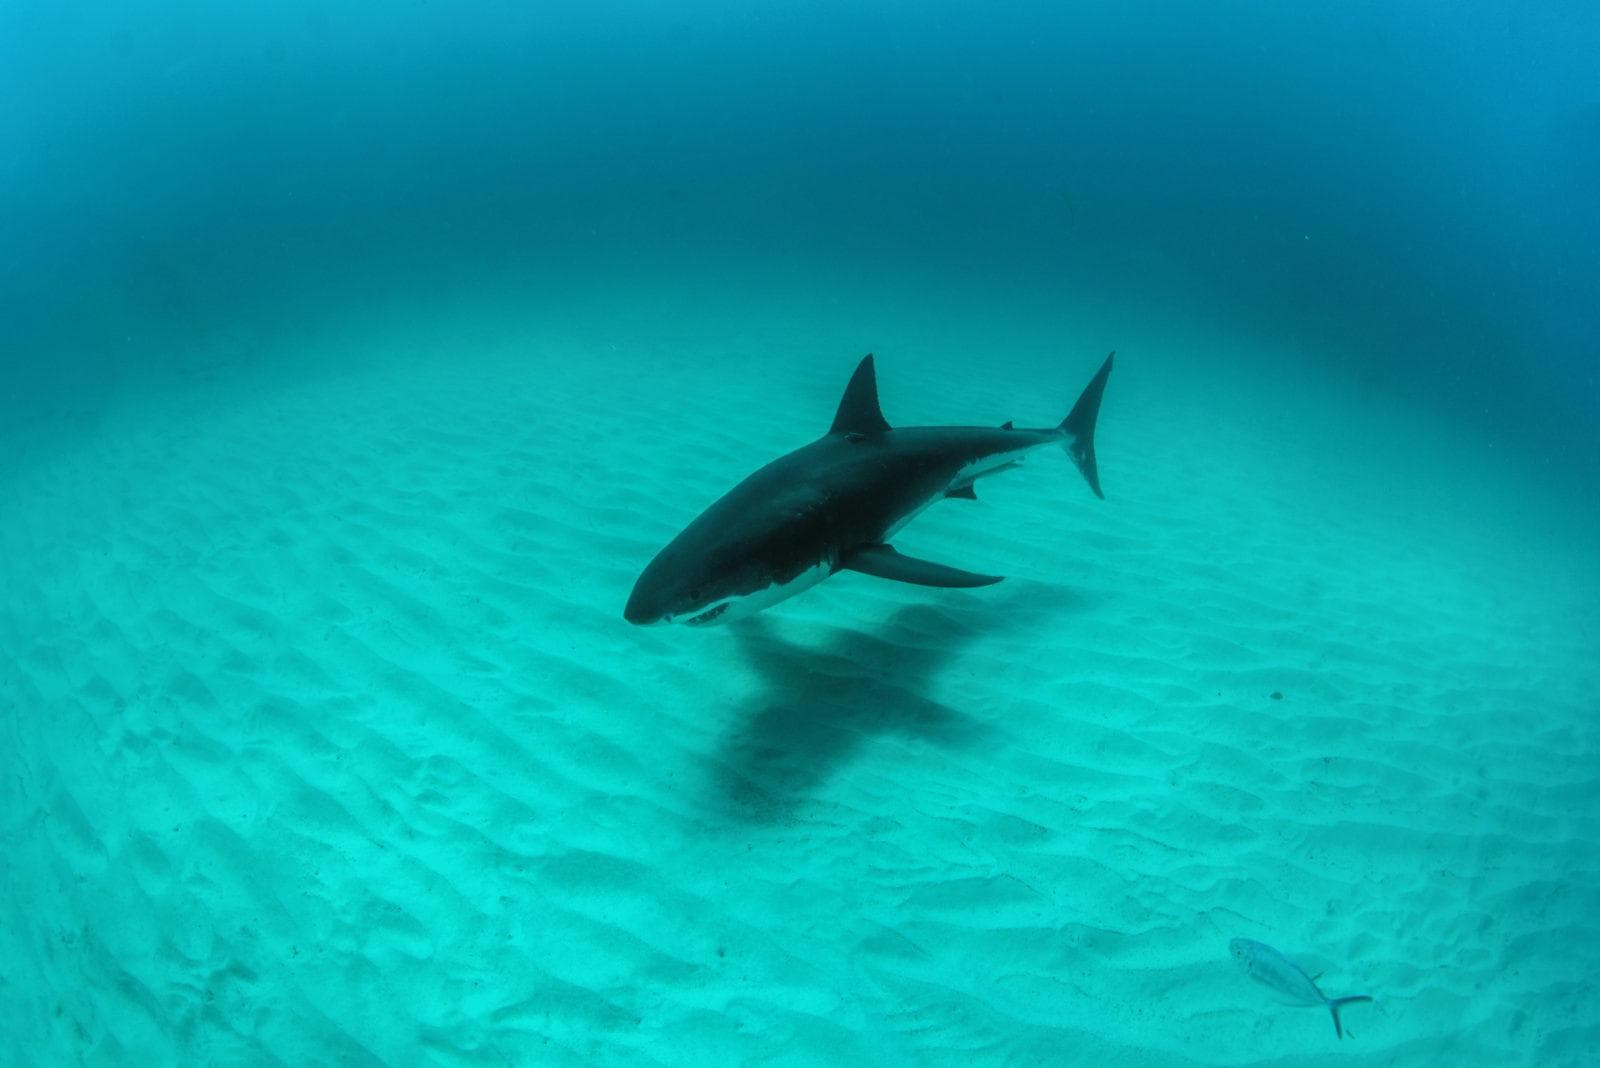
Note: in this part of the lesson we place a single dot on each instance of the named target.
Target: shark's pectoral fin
(883, 562)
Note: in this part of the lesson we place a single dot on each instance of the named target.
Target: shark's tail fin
(1078, 426)
(1335, 1004)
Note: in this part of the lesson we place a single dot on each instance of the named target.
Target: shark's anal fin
(883, 562)
(965, 492)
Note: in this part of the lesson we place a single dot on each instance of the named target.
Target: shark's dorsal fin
(1007, 425)
(858, 411)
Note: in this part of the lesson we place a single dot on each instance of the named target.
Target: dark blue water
(1408, 186)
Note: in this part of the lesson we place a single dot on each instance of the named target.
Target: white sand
(328, 744)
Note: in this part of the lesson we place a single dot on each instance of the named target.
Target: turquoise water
(357, 359)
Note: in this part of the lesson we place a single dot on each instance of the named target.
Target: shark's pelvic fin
(964, 491)
(1078, 426)
(858, 410)
(884, 562)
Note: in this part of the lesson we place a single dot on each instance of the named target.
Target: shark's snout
(643, 607)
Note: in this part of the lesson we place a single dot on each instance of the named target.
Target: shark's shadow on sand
(819, 703)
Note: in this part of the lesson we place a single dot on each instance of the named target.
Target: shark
(834, 505)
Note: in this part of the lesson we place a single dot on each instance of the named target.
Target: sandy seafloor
(326, 741)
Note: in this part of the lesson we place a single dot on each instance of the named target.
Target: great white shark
(833, 505)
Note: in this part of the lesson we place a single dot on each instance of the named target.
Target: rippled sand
(327, 742)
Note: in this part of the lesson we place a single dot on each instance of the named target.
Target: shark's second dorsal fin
(858, 411)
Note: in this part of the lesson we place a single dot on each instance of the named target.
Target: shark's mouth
(708, 615)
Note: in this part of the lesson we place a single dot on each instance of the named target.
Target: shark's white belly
(764, 598)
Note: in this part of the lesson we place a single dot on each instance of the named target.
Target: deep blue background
(1412, 187)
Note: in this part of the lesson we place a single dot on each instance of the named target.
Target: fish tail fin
(1078, 427)
(1335, 1004)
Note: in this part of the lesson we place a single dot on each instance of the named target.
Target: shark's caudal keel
(833, 505)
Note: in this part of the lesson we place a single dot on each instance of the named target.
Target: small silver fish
(1270, 968)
